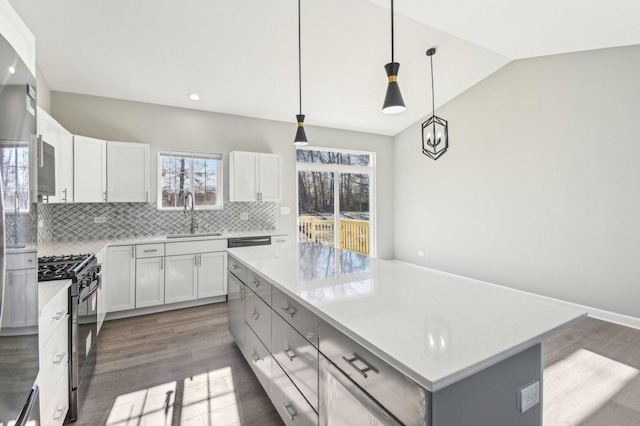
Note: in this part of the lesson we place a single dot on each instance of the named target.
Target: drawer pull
(150, 251)
(59, 358)
(59, 315)
(234, 267)
(254, 283)
(255, 357)
(289, 310)
(255, 315)
(286, 353)
(351, 363)
(59, 413)
(289, 410)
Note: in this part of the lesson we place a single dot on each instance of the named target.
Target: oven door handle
(84, 295)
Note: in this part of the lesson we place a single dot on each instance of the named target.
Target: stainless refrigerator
(19, 358)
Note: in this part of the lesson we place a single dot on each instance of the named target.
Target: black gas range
(84, 272)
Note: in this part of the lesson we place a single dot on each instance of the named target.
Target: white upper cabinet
(128, 178)
(89, 169)
(62, 142)
(254, 176)
(18, 35)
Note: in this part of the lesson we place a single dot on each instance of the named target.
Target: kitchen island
(427, 347)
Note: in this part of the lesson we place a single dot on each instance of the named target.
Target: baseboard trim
(601, 314)
(163, 308)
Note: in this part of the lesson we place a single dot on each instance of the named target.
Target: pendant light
(301, 136)
(393, 102)
(435, 131)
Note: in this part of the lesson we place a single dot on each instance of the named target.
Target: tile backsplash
(64, 222)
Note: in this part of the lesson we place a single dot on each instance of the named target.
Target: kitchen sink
(207, 234)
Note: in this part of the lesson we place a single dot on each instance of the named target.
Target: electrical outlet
(285, 210)
(528, 396)
(244, 216)
(420, 253)
(99, 219)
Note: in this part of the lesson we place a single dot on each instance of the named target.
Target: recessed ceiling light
(194, 97)
(12, 70)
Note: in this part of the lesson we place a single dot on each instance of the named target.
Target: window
(15, 177)
(188, 172)
(335, 198)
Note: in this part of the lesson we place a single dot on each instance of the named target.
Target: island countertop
(435, 327)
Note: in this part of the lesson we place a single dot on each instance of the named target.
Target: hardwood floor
(183, 368)
(592, 375)
(174, 368)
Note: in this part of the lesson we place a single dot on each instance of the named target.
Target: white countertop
(94, 246)
(435, 327)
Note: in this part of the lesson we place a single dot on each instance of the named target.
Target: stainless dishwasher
(249, 241)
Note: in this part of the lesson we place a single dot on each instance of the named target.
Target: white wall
(540, 189)
(43, 91)
(178, 128)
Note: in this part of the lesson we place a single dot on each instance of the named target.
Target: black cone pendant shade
(301, 136)
(393, 102)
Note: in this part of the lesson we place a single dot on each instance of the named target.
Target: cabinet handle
(10, 278)
(286, 352)
(147, 196)
(40, 151)
(254, 283)
(59, 358)
(291, 312)
(255, 357)
(59, 315)
(59, 413)
(280, 241)
(350, 362)
(255, 315)
(150, 251)
(241, 294)
(234, 267)
(64, 191)
(288, 409)
(105, 195)
(133, 251)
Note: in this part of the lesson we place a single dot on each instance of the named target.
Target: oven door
(346, 403)
(87, 328)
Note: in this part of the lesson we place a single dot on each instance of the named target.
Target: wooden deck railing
(354, 234)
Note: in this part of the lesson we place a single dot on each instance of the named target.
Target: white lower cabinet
(53, 340)
(181, 279)
(212, 274)
(150, 282)
(121, 273)
(20, 307)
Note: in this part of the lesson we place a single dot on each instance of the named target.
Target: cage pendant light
(393, 102)
(301, 136)
(435, 131)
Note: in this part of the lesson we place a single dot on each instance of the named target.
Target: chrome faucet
(194, 225)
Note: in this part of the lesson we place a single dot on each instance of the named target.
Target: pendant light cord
(299, 58)
(433, 94)
(392, 31)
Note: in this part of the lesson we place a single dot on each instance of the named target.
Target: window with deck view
(15, 177)
(335, 198)
(182, 172)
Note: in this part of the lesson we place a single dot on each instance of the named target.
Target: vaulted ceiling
(241, 56)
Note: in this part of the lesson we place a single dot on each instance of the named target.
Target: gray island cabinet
(337, 338)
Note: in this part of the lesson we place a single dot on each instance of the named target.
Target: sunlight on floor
(577, 386)
(204, 400)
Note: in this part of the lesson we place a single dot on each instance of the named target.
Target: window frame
(193, 155)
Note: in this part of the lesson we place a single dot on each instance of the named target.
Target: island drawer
(53, 314)
(297, 357)
(258, 316)
(300, 318)
(237, 268)
(259, 359)
(400, 395)
(259, 285)
(291, 405)
(54, 358)
(149, 250)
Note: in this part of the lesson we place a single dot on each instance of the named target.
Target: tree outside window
(198, 173)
